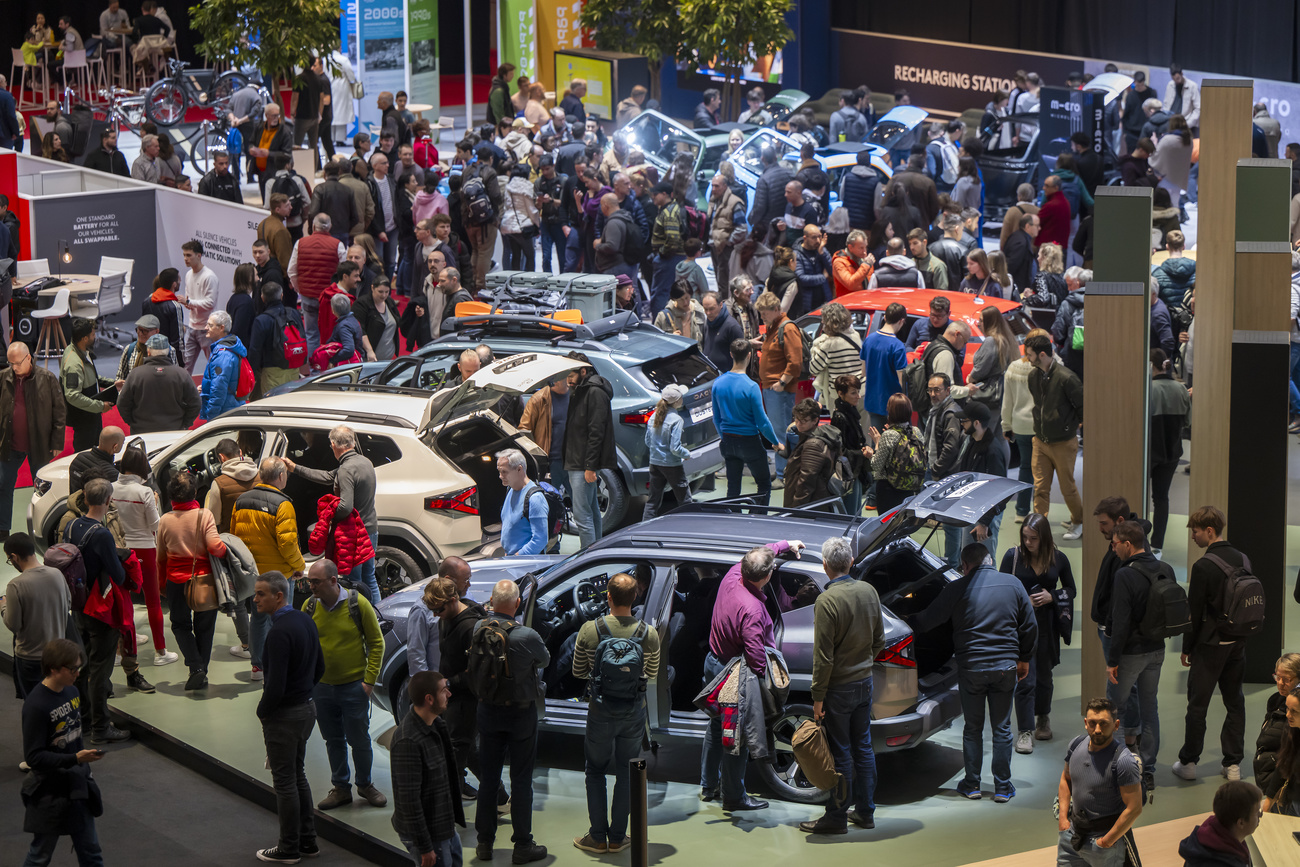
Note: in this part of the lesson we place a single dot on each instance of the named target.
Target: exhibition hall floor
(920, 820)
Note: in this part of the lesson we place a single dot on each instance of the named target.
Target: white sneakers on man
(1188, 771)
(1075, 532)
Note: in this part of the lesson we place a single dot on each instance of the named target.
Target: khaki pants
(1058, 457)
(272, 378)
(483, 240)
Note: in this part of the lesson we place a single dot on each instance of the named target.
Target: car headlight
(42, 486)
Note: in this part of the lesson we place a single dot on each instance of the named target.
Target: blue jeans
(713, 758)
(560, 478)
(739, 452)
(990, 542)
(1143, 671)
(343, 714)
(779, 406)
(996, 690)
(84, 840)
(387, 251)
(586, 507)
(613, 740)
(1293, 383)
(1090, 855)
(506, 731)
(661, 280)
(553, 236)
(848, 729)
(952, 544)
(9, 476)
(1025, 472)
(1129, 717)
(449, 851)
(310, 323)
(405, 269)
(363, 574)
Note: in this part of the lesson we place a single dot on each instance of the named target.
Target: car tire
(402, 703)
(782, 775)
(614, 499)
(395, 569)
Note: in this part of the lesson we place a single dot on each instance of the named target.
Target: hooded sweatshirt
(1211, 845)
(163, 304)
(427, 204)
(896, 271)
(237, 476)
(221, 378)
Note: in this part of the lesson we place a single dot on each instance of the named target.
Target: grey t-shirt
(559, 419)
(387, 347)
(1093, 792)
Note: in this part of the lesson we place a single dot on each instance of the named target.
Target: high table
(1274, 841)
(51, 333)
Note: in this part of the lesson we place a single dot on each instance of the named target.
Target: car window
(434, 369)
(712, 158)
(1020, 324)
(687, 369)
(198, 457)
(885, 132)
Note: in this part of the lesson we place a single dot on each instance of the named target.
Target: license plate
(701, 413)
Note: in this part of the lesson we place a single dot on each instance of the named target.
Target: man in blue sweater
(994, 634)
(519, 536)
(292, 664)
(739, 416)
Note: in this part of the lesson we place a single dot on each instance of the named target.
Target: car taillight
(641, 416)
(465, 502)
(897, 740)
(899, 653)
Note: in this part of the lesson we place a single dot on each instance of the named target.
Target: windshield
(1020, 324)
(687, 369)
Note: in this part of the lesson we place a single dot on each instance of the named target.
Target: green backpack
(1076, 332)
(905, 463)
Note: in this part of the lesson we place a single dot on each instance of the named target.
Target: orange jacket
(849, 277)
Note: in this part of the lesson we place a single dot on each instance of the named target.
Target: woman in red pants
(137, 508)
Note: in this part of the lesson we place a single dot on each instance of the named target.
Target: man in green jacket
(499, 105)
(848, 635)
(1058, 417)
(82, 387)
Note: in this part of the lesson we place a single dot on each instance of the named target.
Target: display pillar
(1261, 354)
(1225, 138)
(1116, 385)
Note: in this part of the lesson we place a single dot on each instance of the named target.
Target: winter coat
(903, 218)
(943, 437)
(1070, 311)
(1268, 742)
(1135, 171)
(897, 271)
(235, 573)
(221, 378)
(1054, 222)
(952, 253)
(1173, 159)
(1047, 291)
(1019, 250)
(1166, 220)
(1212, 845)
(988, 455)
(1058, 403)
(187, 540)
(849, 121)
(43, 399)
(726, 220)
(589, 428)
(987, 370)
(237, 476)
(812, 268)
(850, 275)
(922, 194)
(350, 541)
(743, 703)
(672, 320)
(264, 518)
(1162, 331)
(781, 282)
(520, 214)
(137, 509)
(1191, 108)
(1075, 192)
(347, 334)
(858, 195)
(1170, 408)
(159, 396)
(1176, 278)
(811, 464)
(769, 196)
(718, 336)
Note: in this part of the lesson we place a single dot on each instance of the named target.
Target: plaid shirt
(426, 783)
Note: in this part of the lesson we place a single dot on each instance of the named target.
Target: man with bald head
(32, 416)
(99, 456)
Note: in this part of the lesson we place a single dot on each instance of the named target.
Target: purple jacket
(741, 624)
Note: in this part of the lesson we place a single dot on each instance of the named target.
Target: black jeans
(100, 641)
(1034, 693)
(661, 477)
(27, 673)
(848, 730)
(285, 733)
(462, 718)
(1162, 476)
(518, 252)
(193, 629)
(506, 730)
(739, 452)
(1221, 665)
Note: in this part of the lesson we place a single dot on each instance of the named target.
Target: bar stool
(38, 81)
(51, 342)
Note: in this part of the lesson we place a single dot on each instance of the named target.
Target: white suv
(437, 489)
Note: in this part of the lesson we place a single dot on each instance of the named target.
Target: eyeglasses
(935, 390)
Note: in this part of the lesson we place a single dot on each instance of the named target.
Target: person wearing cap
(83, 390)
(667, 242)
(159, 395)
(32, 417)
(628, 296)
(663, 437)
(136, 352)
(549, 189)
(982, 452)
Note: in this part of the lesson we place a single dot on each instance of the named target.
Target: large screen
(599, 74)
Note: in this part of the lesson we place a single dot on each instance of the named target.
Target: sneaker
(241, 652)
(276, 856)
(24, 767)
(483, 851)
(1066, 524)
(1043, 731)
(1231, 772)
(1020, 519)
(110, 735)
(141, 638)
(862, 820)
(587, 844)
(1155, 552)
(527, 853)
(197, 680)
(823, 826)
(1025, 743)
(778, 484)
(970, 793)
(468, 792)
(308, 850)
(1293, 427)
(1003, 797)
(164, 657)
(503, 808)
(1187, 771)
(136, 681)
(373, 796)
(256, 674)
(621, 846)
(1075, 532)
(338, 797)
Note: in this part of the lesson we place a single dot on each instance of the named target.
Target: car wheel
(395, 570)
(403, 702)
(613, 497)
(782, 774)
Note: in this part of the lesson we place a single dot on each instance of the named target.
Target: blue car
(836, 160)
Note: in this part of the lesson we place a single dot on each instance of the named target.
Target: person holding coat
(663, 437)
(346, 333)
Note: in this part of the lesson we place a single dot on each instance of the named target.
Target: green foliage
(278, 37)
(650, 28)
(727, 33)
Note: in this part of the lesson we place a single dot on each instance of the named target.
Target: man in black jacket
(769, 193)
(1213, 658)
(1135, 659)
(719, 331)
(1058, 415)
(219, 183)
(1088, 161)
(159, 395)
(107, 158)
(331, 197)
(266, 349)
(706, 112)
(270, 134)
(588, 445)
(1110, 513)
(1019, 251)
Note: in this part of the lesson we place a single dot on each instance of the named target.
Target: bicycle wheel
(166, 103)
(227, 84)
(203, 146)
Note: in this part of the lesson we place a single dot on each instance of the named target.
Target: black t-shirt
(150, 25)
(325, 89)
(52, 724)
(308, 88)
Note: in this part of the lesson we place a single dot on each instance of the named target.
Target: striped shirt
(833, 356)
(584, 652)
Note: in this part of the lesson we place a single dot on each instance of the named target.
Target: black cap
(662, 187)
(975, 411)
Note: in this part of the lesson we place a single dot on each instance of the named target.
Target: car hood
(959, 500)
(153, 443)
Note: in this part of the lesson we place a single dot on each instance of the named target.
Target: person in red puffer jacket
(350, 540)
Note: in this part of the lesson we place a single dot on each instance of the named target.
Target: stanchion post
(640, 820)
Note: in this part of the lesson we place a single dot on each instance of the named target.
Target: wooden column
(1261, 355)
(1225, 138)
(1116, 385)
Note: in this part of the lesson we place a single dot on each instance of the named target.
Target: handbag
(358, 90)
(201, 589)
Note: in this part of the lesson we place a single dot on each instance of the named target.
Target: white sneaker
(256, 675)
(1188, 771)
(1155, 552)
(167, 657)
(1231, 772)
(241, 652)
(141, 638)
(117, 660)
(1075, 532)
(22, 766)
(1025, 743)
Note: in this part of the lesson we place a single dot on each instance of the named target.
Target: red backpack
(247, 380)
(697, 224)
(295, 345)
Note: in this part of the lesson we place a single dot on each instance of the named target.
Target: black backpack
(917, 374)
(479, 204)
(1167, 614)
(554, 507)
(489, 661)
(288, 187)
(1241, 608)
(635, 248)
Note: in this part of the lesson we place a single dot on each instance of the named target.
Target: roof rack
(341, 416)
(746, 506)
(616, 323)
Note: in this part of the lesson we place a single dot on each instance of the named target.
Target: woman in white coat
(342, 77)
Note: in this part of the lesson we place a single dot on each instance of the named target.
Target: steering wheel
(588, 603)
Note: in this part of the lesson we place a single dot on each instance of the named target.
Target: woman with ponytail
(1170, 404)
(663, 436)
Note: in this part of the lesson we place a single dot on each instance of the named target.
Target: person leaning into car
(742, 627)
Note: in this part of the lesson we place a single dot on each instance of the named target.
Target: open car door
(519, 374)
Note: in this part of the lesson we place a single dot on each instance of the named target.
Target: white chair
(110, 299)
(112, 265)
(444, 122)
(74, 62)
(37, 80)
(51, 342)
(33, 268)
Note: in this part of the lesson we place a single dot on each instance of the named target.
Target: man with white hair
(524, 514)
(221, 390)
(159, 395)
(354, 482)
(145, 167)
(848, 635)
(507, 723)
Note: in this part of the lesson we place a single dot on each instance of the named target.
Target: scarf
(162, 294)
(184, 507)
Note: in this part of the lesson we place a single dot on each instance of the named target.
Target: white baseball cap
(672, 393)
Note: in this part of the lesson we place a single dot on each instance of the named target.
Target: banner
(381, 33)
(348, 30)
(423, 32)
(96, 225)
(558, 30)
(226, 231)
(518, 36)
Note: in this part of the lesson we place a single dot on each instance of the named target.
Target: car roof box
(498, 279)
